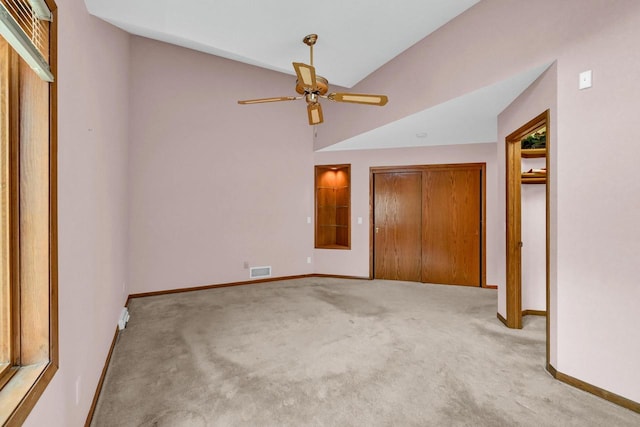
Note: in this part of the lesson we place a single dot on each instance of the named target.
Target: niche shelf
(534, 178)
(532, 146)
(333, 206)
(529, 153)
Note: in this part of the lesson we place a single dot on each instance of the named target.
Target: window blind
(25, 25)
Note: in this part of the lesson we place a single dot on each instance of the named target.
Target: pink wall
(356, 261)
(598, 233)
(205, 184)
(92, 187)
(491, 41)
(540, 96)
(594, 237)
(534, 237)
(213, 183)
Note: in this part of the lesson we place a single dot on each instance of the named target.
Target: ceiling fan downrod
(310, 40)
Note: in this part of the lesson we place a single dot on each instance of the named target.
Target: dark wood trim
(50, 360)
(339, 276)
(8, 372)
(226, 285)
(421, 168)
(490, 286)
(531, 153)
(53, 188)
(30, 399)
(205, 287)
(14, 208)
(552, 370)
(595, 390)
(533, 124)
(513, 220)
(96, 395)
(371, 219)
(548, 235)
(534, 313)
(483, 226)
(502, 319)
(318, 169)
(10, 251)
(513, 232)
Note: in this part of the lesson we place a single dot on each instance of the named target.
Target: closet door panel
(451, 226)
(397, 222)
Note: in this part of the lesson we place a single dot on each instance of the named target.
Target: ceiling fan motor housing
(322, 86)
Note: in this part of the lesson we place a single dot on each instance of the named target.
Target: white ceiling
(355, 37)
(472, 118)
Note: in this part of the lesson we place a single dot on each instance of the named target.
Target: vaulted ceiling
(356, 37)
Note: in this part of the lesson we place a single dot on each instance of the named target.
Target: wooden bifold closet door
(398, 248)
(427, 224)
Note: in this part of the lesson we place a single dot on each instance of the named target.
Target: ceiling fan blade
(263, 100)
(314, 110)
(359, 98)
(306, 75)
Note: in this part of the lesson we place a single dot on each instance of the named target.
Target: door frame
(513, 170)
(482, 167)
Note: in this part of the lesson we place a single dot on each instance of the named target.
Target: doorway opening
(527, 164)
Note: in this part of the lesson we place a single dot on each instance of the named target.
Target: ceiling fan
(312, 87)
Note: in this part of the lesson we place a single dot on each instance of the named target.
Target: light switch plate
(584, 80)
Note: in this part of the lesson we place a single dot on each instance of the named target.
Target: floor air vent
(259, 272)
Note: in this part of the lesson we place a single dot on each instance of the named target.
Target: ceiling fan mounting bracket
(310, 40)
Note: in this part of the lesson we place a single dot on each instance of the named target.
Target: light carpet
(331, 352)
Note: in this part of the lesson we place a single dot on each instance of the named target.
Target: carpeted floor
(330, 352)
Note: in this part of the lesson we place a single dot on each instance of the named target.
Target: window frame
(31, 285)
(9, 215)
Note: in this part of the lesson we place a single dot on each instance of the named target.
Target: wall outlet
(308, 260)
(308, 220)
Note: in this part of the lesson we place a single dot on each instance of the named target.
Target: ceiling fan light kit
(312, 87)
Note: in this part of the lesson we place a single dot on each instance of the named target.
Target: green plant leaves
(535, 140)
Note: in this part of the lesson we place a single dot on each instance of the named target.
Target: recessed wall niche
(333, 206)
